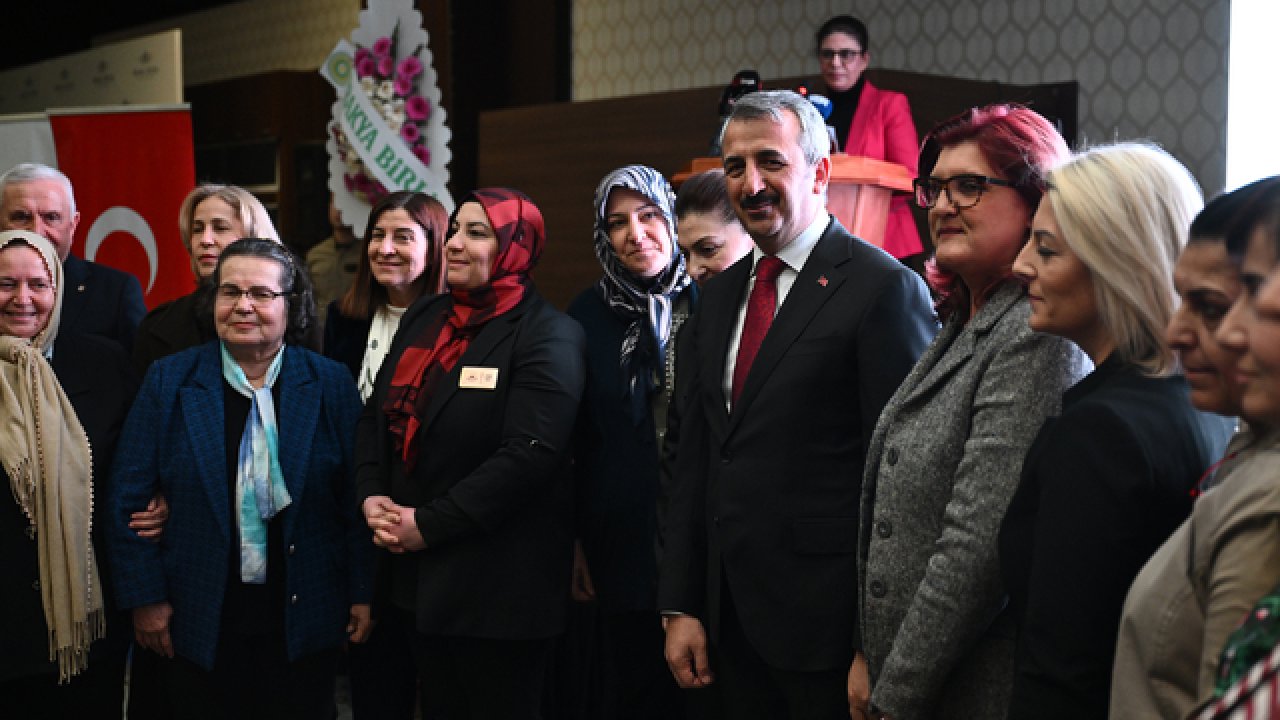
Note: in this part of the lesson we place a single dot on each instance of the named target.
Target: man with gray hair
(97, 299)
(788, 362)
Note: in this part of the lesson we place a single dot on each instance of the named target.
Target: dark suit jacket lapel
(203, 412)
(297, 419)
(75, 272)
(817, 282)
(719, 320)
(482, 345)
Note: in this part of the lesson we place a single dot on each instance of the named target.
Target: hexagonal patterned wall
(1154, 69)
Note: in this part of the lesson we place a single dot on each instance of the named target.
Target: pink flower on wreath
(382, 47)
(364, 67)
(385, 66)
(410, 133)
(362, 53)
(403, 85)
(350, 182)
(422, 153)
(417, 108)
(409, 68)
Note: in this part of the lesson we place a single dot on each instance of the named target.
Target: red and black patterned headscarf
(518, 225)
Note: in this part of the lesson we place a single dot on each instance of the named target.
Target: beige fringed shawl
(45, 453)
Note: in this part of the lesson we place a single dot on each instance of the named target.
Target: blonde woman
(1106, 482)
(211, 218)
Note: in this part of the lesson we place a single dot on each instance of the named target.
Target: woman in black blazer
(403, 261)
(462, 466)
(211, 218)
(1108, 480)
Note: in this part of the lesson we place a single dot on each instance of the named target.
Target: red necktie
(760, 308)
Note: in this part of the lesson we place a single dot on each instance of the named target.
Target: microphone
(823, 104)
(745, 81)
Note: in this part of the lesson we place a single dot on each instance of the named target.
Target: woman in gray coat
(945, 457)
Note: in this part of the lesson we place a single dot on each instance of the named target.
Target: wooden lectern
(858, 194)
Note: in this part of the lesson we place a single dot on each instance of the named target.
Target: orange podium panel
(858, 194)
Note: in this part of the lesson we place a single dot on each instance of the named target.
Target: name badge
(478, 378)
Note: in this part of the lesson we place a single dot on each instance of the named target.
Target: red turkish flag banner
(131, 169)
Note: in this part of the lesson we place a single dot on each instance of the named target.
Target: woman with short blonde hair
(1108, 480)
(1150, 200)
(211, 217)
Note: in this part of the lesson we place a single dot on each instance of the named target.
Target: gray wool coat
(941, 468)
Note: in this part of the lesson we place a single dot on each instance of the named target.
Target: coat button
(716, 521)
(294, 600)
(884, 528)
(292, 548)
(877, 589)
(893, 456)
(725, 459)
(35, 585)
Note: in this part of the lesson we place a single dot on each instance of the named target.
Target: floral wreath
(388, 131)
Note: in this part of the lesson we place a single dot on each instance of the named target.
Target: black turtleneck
(843, 107)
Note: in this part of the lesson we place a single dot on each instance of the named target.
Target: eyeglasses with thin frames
(964, 191)
(846, 55)
(257, 295)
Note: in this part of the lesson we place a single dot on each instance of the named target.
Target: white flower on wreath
(397, 118)
(398, 105)
(367, 85)
(386, 90)
(394, 125)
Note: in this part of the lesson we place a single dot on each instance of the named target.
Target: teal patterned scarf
(260, 490)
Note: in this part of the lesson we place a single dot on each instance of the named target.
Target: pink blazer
(882, 129)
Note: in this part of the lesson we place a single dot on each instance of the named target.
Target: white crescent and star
(126, 220)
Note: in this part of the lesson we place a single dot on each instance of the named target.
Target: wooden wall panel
(558, 152)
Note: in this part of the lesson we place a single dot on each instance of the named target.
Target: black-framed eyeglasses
(826, 55)
(964, 190)
(257, 295)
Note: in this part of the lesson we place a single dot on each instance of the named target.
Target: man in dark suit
(792, 355)
(97, 299)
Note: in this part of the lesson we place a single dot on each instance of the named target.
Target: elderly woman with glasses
(869, 122)
(945, 456)
(65, 396)
(263, 570)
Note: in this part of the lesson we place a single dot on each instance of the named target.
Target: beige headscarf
(45, 452)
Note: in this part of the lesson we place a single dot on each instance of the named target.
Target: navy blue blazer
(616, 466)
(100, 300)
(174, 443)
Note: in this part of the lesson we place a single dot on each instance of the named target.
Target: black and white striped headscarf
(645, 303)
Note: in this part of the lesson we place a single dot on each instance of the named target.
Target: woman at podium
(869, 122)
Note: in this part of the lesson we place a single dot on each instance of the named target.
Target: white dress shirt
(793, 258)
